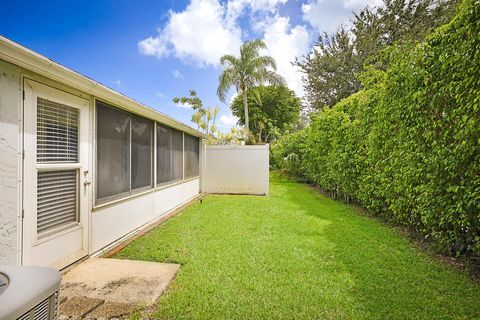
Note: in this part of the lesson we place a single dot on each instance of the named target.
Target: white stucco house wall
(82, 166)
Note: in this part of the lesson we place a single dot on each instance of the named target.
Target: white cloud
(177, 74)
(284, 43)
(207, 29)
(227, 121)
(200, 35)
(235, 8)
(259, 5)
(161, 95)
(325, 16)
(117, 83)
(153, 46)
(357, 5)
(328, 15)
(234, 95)
(204, 31)
(183, 105)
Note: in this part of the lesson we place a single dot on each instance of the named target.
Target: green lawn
(298, 255)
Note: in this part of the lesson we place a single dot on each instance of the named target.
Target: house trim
(32, 61)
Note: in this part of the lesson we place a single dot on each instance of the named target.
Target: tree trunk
(245, 109)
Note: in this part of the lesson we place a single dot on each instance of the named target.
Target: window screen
(169, 154)
(177, 155)
(124, 152)
(113, 151)
(142, 152)
(192, 152)
(164, 158)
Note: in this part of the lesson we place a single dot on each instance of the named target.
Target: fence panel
(237, 169)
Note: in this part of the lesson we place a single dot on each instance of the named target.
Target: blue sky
(155, 50)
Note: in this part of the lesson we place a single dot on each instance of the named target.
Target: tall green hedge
(408, 146)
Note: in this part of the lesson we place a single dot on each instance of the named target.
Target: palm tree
(247, 71)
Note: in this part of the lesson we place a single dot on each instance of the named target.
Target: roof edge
(23, 57)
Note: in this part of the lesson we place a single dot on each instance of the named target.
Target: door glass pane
(57, 132)
(57, 142)
(113, 151)
(164, 140)
(142, 132)
(177, 155)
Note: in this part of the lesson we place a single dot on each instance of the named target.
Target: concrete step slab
(121, 285)
(110, 310)
(79, 307)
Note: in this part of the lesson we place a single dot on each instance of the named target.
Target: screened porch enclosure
(83, 167)
(135, 154)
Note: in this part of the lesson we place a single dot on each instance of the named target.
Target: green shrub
(408, 146)
(287, 154)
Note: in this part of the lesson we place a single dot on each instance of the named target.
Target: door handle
(86, 183)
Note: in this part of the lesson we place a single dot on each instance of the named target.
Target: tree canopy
(246, 71)
(274, 110)
(204, 117)
(333, 66)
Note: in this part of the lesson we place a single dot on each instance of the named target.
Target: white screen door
(56, 176)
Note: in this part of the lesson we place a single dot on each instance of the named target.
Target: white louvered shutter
(56, 199)
(57, 143)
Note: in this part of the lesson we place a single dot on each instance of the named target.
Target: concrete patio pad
(113, 287)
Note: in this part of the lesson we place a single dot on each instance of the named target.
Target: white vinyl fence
(236, 169)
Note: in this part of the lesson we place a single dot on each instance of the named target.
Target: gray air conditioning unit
(29, 293)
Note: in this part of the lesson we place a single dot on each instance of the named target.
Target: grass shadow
(391, 278)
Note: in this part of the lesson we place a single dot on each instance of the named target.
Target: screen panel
(142, 152)
(113, 151)
(192, 156)
(177, 155)
(164, 154)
